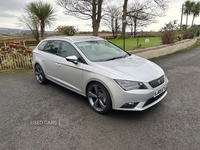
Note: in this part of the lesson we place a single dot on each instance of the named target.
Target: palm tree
(41, 14)
(188, 7)
(195, 10)
(182, 9)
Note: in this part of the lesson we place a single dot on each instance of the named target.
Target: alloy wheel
(99, 98)
(39, 74)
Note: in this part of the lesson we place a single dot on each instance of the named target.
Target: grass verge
(131, 43)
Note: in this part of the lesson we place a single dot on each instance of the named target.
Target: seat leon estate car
(108, 76)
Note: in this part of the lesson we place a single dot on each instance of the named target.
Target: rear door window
(52, 47)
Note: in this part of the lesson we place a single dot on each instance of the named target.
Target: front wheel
(40, 74)
(99, 98)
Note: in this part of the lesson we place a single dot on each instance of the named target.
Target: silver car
(108, 76)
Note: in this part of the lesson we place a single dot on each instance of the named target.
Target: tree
(188, 7)
(41, 13)
(163, 4)
(141, 14)
(85, 10)
(28, 23)
(112, 18)
(195, 10)
(182, 11)
(66, 30)
(124, 16)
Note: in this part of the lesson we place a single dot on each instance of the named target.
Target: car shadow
(73, 98)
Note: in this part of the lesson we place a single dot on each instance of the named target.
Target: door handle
(42, 59)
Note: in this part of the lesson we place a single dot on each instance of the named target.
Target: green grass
(131, 43)
(5, 36)
(32, 47)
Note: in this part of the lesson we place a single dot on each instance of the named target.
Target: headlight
(130, 85)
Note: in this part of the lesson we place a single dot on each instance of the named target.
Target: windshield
(101, 50)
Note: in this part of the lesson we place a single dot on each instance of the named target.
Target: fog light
(129, 105)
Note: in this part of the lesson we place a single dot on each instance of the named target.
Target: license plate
(158, 92)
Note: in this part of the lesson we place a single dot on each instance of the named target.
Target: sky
(11, 10)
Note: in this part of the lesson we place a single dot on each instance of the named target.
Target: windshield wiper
(117, 57)
(114, 58)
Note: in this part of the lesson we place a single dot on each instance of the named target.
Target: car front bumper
(138, 100)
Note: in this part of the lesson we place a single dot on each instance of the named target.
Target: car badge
(158, 81)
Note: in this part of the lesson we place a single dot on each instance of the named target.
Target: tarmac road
(34, 116)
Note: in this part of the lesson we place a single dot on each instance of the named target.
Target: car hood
(132, 68)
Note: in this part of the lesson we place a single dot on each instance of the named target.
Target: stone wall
(162, 50)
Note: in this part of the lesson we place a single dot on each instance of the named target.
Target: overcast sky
(11, 10)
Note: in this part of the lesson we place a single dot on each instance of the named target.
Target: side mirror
(72, 59)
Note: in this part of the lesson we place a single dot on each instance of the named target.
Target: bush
(168, 32)
(66, 30)
(167, 37)
(188, 35)
(198, 32)
(16, 47)
(194, 29)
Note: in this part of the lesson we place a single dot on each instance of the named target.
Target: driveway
(35, 116)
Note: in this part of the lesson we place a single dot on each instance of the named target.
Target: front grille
(157, 82)
(153, 99)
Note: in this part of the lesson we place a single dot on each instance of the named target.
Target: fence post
(24, 43)
(4, 44)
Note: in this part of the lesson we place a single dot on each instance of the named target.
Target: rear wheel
(40, 74)
(99, 98)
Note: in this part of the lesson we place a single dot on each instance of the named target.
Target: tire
(99, 98)
(39, 74)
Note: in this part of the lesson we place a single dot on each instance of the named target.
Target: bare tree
(142, 14)
(124, 16)
(112, 18)
(28, 23)
(163, 4)
(85, 10)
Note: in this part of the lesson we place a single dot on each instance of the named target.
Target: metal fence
(13, 61)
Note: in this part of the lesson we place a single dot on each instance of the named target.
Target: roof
(77, 38)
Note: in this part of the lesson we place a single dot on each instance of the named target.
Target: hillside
(10, 30)
(17, 31)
